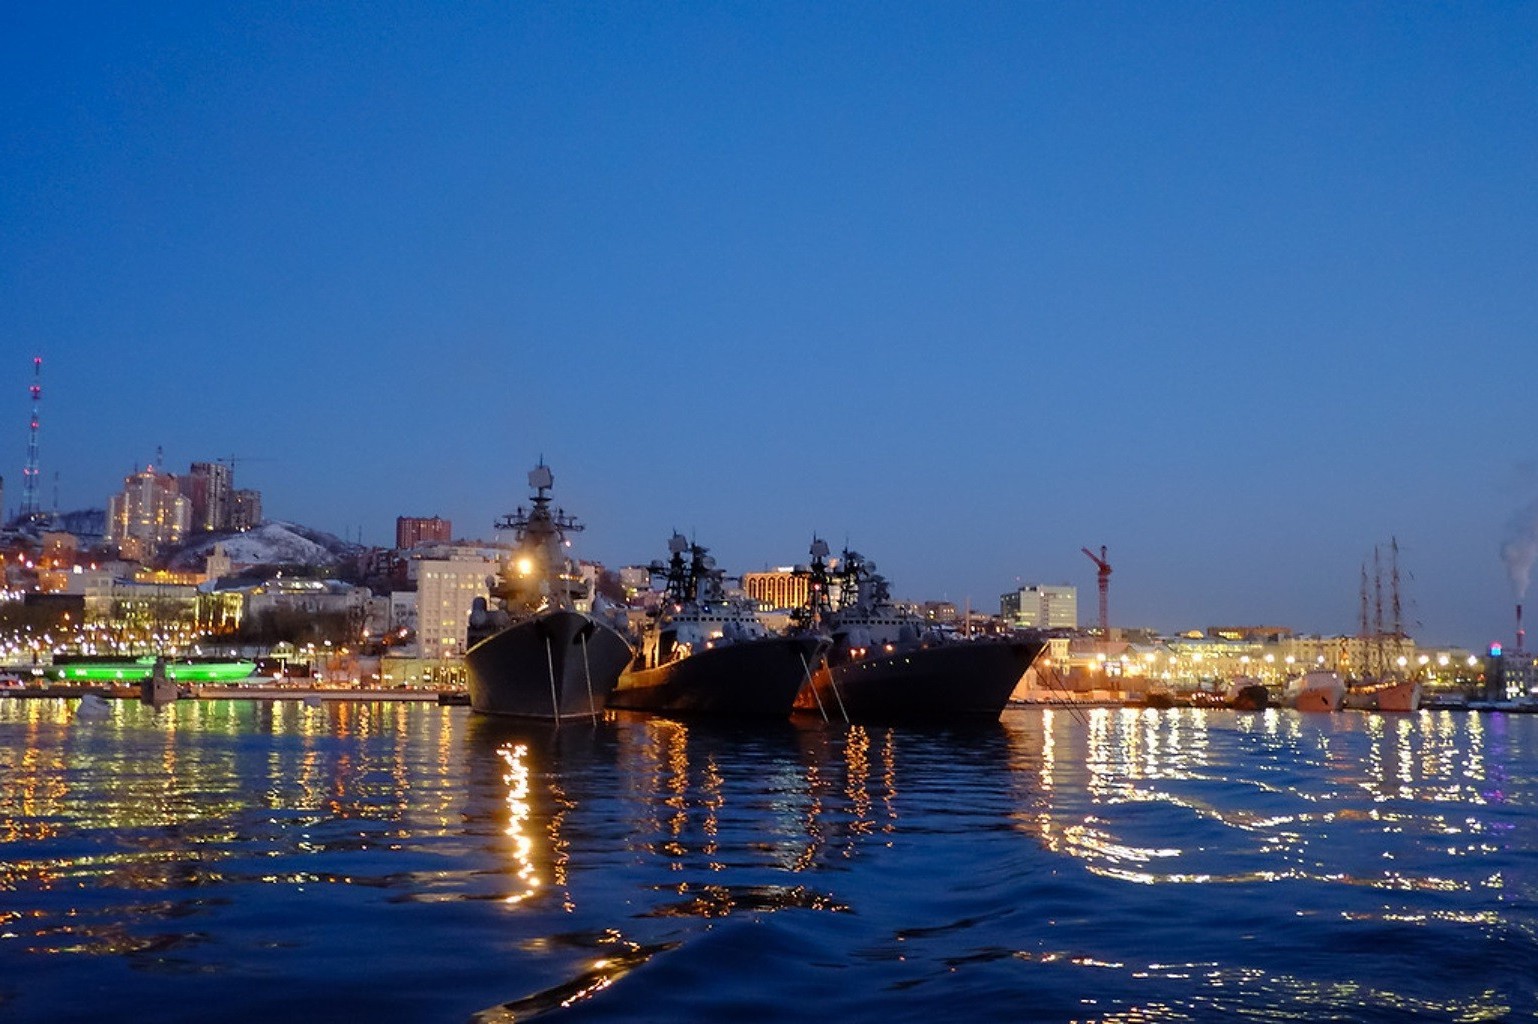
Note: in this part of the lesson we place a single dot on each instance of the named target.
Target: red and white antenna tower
(29, 475)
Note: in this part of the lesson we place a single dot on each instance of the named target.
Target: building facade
(246, 510)
(414, 531)
(210, 487)
(776, 588)
(447, 584)
(1041, 606)
(148, 514)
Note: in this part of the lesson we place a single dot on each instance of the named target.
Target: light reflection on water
(418, 862)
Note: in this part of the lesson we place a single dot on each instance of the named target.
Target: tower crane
(231, 460)
(1103, 573)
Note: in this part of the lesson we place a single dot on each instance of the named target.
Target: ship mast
(819, 600)
(539, 570)
(1394, 596)
(1377, 609)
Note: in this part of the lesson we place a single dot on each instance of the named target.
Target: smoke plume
(1520, 549)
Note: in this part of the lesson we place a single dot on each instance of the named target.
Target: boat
(92, 707)
(1383, 695)
(885, 664)
(1247, 694)
(708, 654)
(536, 650)
(1320, 690)
(69, 668)
(1386, 686)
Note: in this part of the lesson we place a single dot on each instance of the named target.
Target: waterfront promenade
(263, 693)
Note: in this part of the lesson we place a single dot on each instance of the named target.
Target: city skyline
(1237, 293)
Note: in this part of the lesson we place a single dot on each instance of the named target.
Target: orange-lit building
(778, 588)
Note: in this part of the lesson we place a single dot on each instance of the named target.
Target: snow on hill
(273, 543)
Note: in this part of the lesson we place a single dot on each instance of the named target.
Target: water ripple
(419, 863)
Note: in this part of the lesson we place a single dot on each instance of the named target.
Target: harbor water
(272, 861)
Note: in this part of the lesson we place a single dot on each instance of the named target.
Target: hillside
(274, 542)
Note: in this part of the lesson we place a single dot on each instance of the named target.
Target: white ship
(1319, 690)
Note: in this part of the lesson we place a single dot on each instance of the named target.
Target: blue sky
(1236, 290)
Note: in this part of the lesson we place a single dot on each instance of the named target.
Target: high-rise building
(246, 510)
(150, 513)
(414, 531)
(1041, 606)
(210, 487)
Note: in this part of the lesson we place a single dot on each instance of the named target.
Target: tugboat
(887, 665)
(540, 652)
(707, 654)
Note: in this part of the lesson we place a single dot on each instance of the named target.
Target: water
(387, 862)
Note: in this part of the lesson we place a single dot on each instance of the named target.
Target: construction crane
(1104, 575)
(231, 460)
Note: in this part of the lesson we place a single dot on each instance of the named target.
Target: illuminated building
(414, 531)
(778, 588)
(149, 513)
(310, 597)
(944, 612)
(1272, 633)
(448, 581)
(56, 562)
(1041, 606)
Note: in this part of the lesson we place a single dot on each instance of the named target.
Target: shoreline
(261, 693)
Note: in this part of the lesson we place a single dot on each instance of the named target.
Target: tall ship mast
(1385, 684)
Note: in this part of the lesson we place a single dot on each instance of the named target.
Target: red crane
(1104, 575)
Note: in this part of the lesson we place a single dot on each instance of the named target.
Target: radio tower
(29, 476)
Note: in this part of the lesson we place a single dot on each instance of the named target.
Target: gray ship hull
(751, 678)
(558, 665)
(965, 681)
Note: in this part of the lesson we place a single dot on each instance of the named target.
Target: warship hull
(748, 679)
(558, 665)
(965, 681)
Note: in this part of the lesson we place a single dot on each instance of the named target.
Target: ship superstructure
(538, 651)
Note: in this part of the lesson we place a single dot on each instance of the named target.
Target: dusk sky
(1237, 290)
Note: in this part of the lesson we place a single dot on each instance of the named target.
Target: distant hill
(89, 525)
(274, 542)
